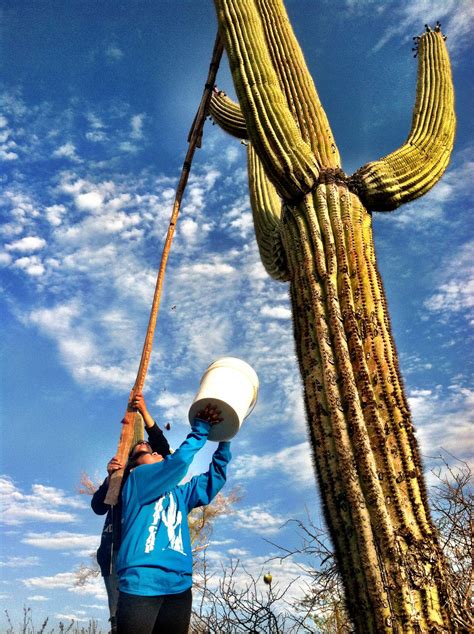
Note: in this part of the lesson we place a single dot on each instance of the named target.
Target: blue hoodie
(155, 557)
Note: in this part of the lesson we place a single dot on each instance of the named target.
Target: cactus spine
(313, 228)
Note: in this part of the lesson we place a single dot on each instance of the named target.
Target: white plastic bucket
(232, 386)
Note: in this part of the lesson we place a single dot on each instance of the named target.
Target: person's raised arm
(97, 501)
(202, 489)
(153, 480)
(139, 403)
(156, 437)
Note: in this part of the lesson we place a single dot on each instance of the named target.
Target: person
(154, 563)
(111, 532)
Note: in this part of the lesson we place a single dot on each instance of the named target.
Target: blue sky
(97, 101)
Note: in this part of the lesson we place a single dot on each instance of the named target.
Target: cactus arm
(228, 115)
(287, 159)
(297, 83)
(266, 210)
(413, 169)
(264, 200)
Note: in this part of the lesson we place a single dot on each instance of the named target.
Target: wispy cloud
(67, 151)
(77, 616)
(98, 233)
(294, 462)
(76, 543)
(68, 581)
(43, 504)
(19, 562)
(113, 53)
(408, 19)
(436, 208)
(7, 143)
(444, 420)
(455, 292)
(287, 573)
(136, 124)
(277, 312)
(260, 519)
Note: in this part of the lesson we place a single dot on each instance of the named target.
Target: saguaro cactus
(313, 228)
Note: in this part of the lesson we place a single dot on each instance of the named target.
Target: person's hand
(210, 414)
(114, 464)
(138, 403)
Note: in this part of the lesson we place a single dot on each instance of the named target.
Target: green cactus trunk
(359, 423)
(314, 230)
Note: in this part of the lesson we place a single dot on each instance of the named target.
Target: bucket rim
(217, 362)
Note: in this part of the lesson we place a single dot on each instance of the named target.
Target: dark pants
(164, 614)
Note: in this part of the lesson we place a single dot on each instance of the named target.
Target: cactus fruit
(313, 226)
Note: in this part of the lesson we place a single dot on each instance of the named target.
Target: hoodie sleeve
(157, 440)
(202, 489)
(97, 501)
(152, 480)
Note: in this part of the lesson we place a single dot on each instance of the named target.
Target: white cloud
(238, 552)
(174, 406)
(189, 229)
(5, 259)
(137, 126)
(63, 540)
(32, 265)
(243, 224)
(419, 215)
(455, 293)
(23, 213)
(213, 269)
(7, 143)
(60, 317)
(432, 209)
(129, 147)
(54, 214)
(68, 581)
(89, 201)
(288, 574)
(77, 617)
(258, 519)
(53, 582)
(68, 151)
(27, 244)
(114, 53)
(44, 504)
(95, 121)
(276, 312)
(96, 136)
(444, 420)
(111, 377)
(19, 562)
(293, 461)
(6, 155)
(457, 17)
(78, 346)
(232, 153)
(37, 597)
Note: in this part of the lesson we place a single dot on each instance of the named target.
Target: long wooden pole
(194, 140)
